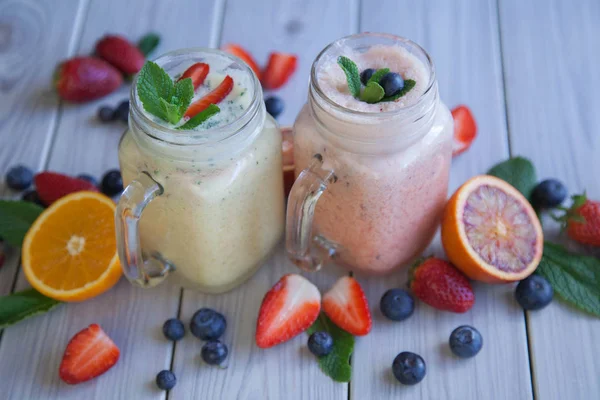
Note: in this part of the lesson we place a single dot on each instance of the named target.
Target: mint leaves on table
(575, 278)
(18, 306)
(15, 219)
(336, 364)
(517, 171)
(200, 117)
(408, 85)
(352, 75)
(148, 43)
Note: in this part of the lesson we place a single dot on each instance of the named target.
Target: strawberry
(118, 51)
(439, 284)
(465, 129)
(279, 69)
(197, 73)
(583, 220)
(82, 79)
(239, 52)
(346, 305)
(89, 353)
(288, 309)
(51, 186)
(218, 94)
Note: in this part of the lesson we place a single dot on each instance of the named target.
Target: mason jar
(373, 178)
(207, 204)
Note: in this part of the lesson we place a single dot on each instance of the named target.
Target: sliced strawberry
(197, 73)
(239, 52)
(288, 309)
(279, 69)
(346, 305)
(213, 97)
(51, 186)
(465, 129)
(90, 353)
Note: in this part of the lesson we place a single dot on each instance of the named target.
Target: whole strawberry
(583, 220)
(82, 79)
(437, 283)
(118, 51)
(51, 186)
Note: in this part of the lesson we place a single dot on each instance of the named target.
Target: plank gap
(503, 79)
(217, 23)
(167, 397)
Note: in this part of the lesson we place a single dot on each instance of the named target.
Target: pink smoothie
(391, 161)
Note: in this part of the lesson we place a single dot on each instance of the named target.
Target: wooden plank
(289, 370)
(132, 317)
(556, 125)
(462, 38)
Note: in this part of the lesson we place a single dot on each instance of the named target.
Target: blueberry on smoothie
(320, 343)
(409, 368)
(534, 293)
(214, 352)
(366, 75)
(391, 83)
(208, 324)
(397, 304)
(465, 341)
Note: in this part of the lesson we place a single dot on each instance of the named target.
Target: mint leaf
(154, 84)
(148, 43)
(517, 171)
(376, 77)
(336, 364)
(200, 117)
(372, 93)
(15, 219)
(18, 306)
(352, 74)
(170, 111)
(575, 278)
(183, 91)
(408, 85)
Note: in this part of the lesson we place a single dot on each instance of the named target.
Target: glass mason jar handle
(140, 269)
(305, 193)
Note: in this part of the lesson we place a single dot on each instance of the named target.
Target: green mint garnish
(372, 93)
(517, 171)
(148, 43)
(200, 117)
(376, 77)
(352, 75)
(408, 85)
(162, 97)
(336, 364)
(15, 219)
(18, 306)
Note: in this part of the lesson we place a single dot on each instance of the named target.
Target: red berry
(465, 129)
(118, 51)
(239, 52)
(82, 79)
(346, 305)
(213, 97)
(197, 73)
(583, 221)
(51, 186)
(279, 69)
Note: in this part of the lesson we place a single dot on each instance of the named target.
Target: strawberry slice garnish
(240, 52)
(213, 97)
(279, 69)
(346, 305)
(465, 129)
(51, 186)
(197, 73)
(90, 353)
(288, 309)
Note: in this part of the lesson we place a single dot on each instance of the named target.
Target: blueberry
(88, 178)
(33, 197)
(274, 106)
(366, 75)
(122, 111)
(409, 368)
(106, 114)
(465, 341)
(19, 177)
(391, 83)
(173, 329)
(112, 183)
(320, 343)
(397, 304)
(214, 352)
(548, 194)
(534, 293)
(207, 324)
(166, 380)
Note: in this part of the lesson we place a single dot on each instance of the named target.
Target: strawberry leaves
(148, 43)
(336, 364)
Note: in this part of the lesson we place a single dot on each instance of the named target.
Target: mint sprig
(200, 117)
(18, 306)
(15, 219)
(336, 364)
(376, 77)
(352, 75)
(517, 171)
(372, 93)
(408, 85)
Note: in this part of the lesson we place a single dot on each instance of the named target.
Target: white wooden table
(528, 71)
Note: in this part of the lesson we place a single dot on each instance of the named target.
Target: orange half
(70, 251)
(491, 232)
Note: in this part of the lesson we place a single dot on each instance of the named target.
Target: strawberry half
(118, 51)
(89, 353)
(288, 309)
(82, 79)
(197, 73)
(240, 52)
(465, 129)
(51, 186)
(213, 97)
(279, 69)
(346, 305)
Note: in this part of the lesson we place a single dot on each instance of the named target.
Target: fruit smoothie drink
(219, 207)
(376, 174)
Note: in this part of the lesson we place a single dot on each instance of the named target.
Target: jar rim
(210, 136)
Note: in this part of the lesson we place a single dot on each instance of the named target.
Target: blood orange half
(491, 232)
